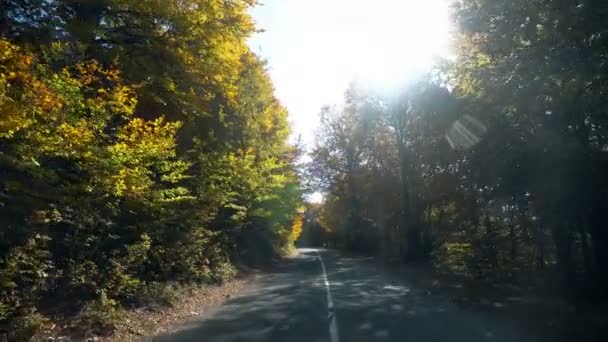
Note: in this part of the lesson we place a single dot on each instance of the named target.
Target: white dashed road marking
(333, 324)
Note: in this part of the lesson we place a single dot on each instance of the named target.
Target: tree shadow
(374, 304)
(371, 304)
(289, 304)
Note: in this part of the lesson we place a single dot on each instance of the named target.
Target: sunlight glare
(399, 40)
(316, 198)
(315, 48)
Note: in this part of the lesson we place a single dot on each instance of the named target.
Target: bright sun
(399, 38)
(315, 48)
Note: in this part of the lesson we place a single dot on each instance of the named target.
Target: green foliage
(453, 258)
(158, 293)
(492, 166)
(25, 327)
(140, 143)
(26, 267)
(99, 316)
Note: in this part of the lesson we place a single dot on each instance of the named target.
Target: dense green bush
(123, 171)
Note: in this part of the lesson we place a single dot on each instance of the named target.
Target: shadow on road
(371, 305)
(377, 305)
(287, 305)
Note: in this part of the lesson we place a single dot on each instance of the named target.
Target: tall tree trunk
(598, 221)
(539, 241)
(513, 239)
(405, 205)
(428, 234)
(562, 235)
(491, 250)
(354, 222)
(410, 221)
(585, 249)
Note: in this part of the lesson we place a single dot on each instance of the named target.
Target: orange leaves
(87, 72)
(11, 54)
(44, 98)
(151, 138)
(122, 100)
(296, 229)
(34, 97)
(18, 89)
(80, 113)
(92, 72)
(15, 65)
(107, 85)
(77, 134)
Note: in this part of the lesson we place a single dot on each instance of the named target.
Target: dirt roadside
(143, 322)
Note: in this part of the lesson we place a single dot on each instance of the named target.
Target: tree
(140, 143)
(497, 155)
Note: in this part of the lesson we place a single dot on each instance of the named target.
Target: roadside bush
(98, 317)
(116, 181)
(453, 258)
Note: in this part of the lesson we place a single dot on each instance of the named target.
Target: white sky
(315, 48)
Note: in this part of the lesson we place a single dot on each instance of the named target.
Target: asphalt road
(294, 303)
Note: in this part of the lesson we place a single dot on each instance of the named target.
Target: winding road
(322, 296)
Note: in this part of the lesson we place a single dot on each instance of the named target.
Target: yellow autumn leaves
(72, 114)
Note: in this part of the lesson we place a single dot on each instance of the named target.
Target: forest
(492, 166)
(141, 144)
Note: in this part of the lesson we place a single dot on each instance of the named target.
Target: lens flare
(465, 133)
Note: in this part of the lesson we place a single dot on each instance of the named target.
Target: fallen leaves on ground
(151, 321)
